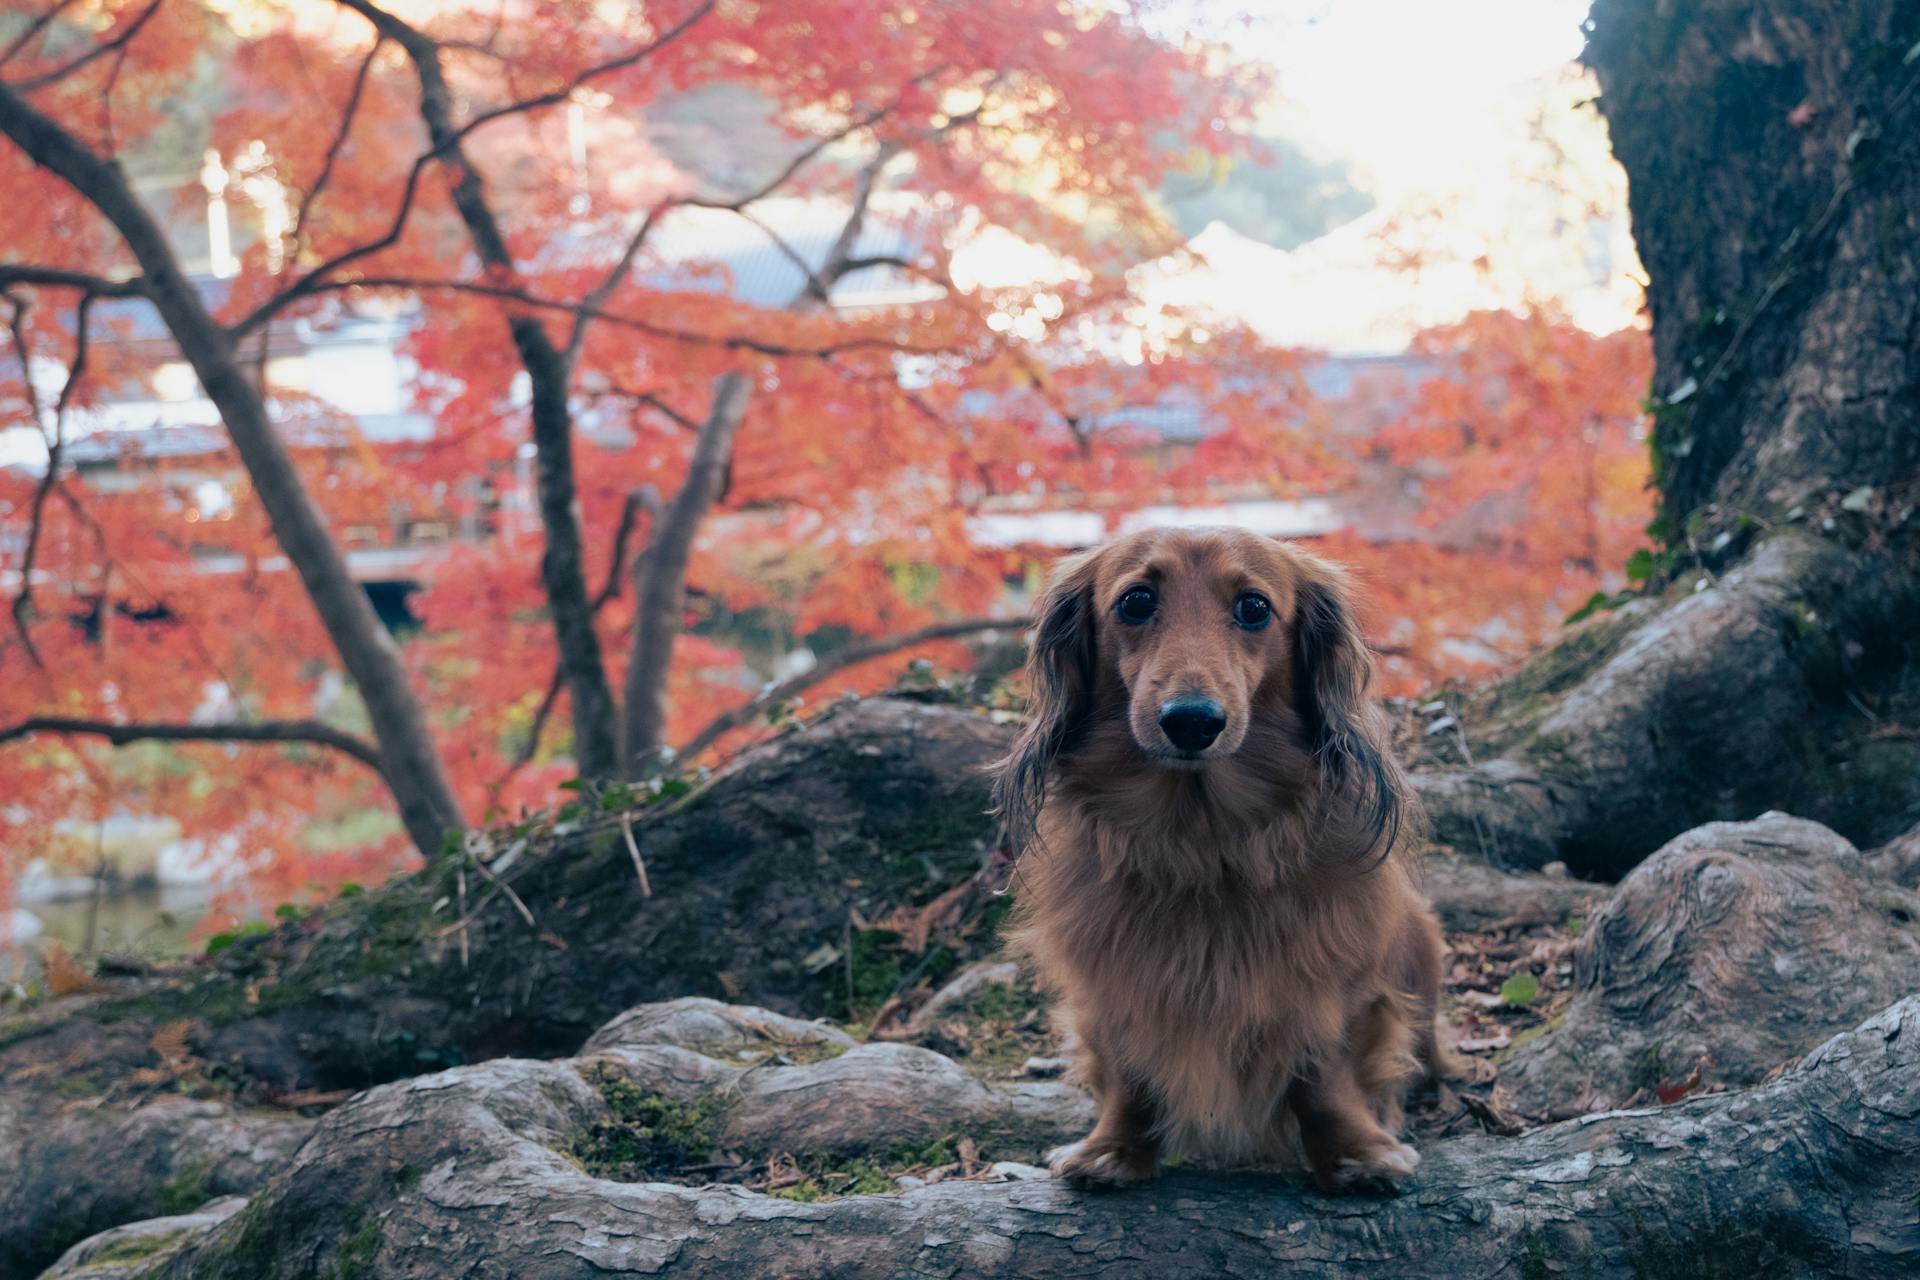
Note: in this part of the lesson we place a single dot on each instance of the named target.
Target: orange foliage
(874, 438)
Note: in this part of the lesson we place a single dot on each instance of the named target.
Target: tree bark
(1774, 158)
(410, 763)
(1813, 1174)
(1726, 953)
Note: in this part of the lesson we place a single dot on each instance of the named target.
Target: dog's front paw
(1091, 1164)
(1375, 1171)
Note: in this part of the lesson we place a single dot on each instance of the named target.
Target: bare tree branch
(100, 50)
(835, 264)
(598, 296)
(787, 689)
(731, 342)
(660, 575)
(682, 420)
(33, 29)
(417, 42)
(445, 142)
(596, 299)
(348, 114)
(23, 606)
(307, 731)
(60, 278)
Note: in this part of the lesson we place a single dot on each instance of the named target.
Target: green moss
(1534, 1261)
(1506, 711)
(354, 1260)
(993, 921)
(243, 1248)
(1650, 1066)
(407, 1177)
(998, 1002)
(806, 1191)
(62, 1234)
(184, 1192)
(647, 1136)
(78, 1085)
(134, 1248)
(1000, 1026)
(1529, 1035)
(869, 974)
(872, 1174)
(804, 1053)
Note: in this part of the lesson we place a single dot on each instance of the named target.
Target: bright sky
(1436, 108)
(1405, 89)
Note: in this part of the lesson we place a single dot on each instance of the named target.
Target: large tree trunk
(1773, 151)
(409, 761)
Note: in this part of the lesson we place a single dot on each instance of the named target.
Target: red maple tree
(659, 457)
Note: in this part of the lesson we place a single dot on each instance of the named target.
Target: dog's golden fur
(1233, 934)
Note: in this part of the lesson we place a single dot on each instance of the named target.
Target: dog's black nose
(1192, 724)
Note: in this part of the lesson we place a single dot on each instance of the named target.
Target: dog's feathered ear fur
(1060, 678)
(1345, 730)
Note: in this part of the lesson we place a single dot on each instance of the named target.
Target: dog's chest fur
(1216, 990)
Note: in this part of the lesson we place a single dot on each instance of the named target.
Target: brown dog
(1214, 882)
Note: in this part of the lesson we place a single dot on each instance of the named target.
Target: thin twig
(34, 28)
(347, 115)
(633, 848)
(460, 883)
(474, 842)
(32, 83)
(692, 337)
(418, 47)
(786, 689)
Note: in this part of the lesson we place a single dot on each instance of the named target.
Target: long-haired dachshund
(1214, 882)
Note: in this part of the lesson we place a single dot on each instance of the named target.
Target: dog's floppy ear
(1060, 678)
(1331, 670)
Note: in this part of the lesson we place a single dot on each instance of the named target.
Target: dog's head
(1203, 641)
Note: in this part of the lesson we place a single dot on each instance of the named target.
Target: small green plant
(221, 941)
(1520, 990)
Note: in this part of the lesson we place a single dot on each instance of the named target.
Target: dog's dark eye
(1137, 606)
(1252, 610)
